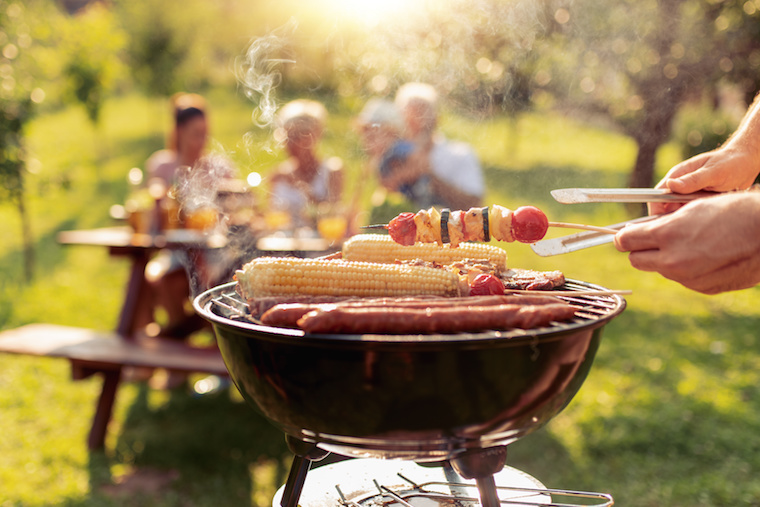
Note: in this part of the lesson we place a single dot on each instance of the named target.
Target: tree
(181, 45)
(635, 62)
(638, 61)
(23, 68)
(93, 45)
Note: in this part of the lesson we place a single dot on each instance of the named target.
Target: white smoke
(258, 73)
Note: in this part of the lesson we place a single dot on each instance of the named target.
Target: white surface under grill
(356, 477)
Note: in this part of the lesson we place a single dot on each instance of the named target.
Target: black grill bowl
(419, 397)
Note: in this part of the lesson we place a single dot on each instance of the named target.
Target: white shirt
(456, 163)
(294, 200)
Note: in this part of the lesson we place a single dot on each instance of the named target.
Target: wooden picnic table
(280, 245)
(107, 352)
(93, 352)
(122, 241)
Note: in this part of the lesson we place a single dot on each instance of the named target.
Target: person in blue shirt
(381, 129)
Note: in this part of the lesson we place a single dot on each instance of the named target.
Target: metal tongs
(631, 195)
(581, 240)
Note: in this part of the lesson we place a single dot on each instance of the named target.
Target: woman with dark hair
(186, 142)
(194, 176)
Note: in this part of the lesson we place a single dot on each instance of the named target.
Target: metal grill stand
(482, 465)
(304, 455)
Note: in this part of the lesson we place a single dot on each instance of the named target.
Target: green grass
(669, 414)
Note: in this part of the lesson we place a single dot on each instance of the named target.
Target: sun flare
(373, 12)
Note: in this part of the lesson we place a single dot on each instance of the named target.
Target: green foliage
(13, 115)
(22, 35)
(93, 44)
(159, 43)
(180, 45)
(702, 127)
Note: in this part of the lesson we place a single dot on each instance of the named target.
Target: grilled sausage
(343, 319)
(287, 314)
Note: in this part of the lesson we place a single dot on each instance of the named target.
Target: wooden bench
(108, 352)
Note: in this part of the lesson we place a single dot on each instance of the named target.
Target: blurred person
(304, 180)
(186, 142)
(381, 128)
(710, 245)
(455, 176)
(183, 166)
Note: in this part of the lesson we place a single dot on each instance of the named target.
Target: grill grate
(367, 483)
(590, 307)
(466, 495)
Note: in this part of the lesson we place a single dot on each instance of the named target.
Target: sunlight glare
(372, 12)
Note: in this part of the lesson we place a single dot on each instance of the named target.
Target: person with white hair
(381, 129)
(304, 179)
(452, 168)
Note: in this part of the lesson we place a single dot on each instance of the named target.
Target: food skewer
(526, 224)
(605, 230)
(556, 292)
(566, 225)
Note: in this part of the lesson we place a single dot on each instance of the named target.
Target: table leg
(104, 409)
(136, 308)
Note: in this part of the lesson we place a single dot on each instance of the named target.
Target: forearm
(746, 137)
(733, 166)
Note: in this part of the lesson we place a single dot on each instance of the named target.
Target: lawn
(669, 414)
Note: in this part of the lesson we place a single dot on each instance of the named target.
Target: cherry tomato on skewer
(529, 224)
(402, 229)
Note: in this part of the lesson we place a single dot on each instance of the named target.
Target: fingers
(646, 260)
(688, 176)
(663, 208)
(691, 182)
(637, 237)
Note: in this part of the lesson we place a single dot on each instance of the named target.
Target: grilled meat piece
(526, 279)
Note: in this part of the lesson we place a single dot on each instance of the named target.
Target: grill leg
(489, 497)
(305, 454)
(481, 465)
(296, 478)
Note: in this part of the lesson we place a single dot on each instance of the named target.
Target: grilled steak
(526, 279)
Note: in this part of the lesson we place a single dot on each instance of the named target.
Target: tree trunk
(643, 170)
(26, 234)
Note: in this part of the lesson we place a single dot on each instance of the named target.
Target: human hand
(725, 169)
(710, 245)
(408, 171)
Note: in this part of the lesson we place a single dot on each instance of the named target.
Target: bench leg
(104, 409)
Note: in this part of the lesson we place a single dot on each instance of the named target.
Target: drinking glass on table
(278, 220)
(332, 222)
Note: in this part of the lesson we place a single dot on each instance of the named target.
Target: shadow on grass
(664, 433)
(673, 429)
(209, 448)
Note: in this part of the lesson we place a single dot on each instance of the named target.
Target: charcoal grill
(444, 398)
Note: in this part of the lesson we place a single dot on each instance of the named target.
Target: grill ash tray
(383, 483)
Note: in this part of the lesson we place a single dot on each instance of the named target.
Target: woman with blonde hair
(304, 179)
